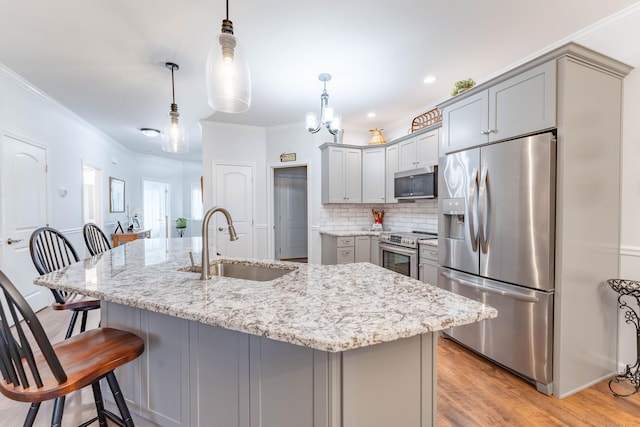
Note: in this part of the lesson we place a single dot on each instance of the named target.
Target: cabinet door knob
(485, 132)
(11, 241)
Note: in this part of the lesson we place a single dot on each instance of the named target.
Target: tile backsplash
(421, 215)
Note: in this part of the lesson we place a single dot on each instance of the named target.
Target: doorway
(156, 208)
(24, 208)
(290, 213)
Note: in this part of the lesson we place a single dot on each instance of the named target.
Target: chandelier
(328, 119)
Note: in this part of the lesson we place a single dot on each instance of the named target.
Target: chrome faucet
(205, 237)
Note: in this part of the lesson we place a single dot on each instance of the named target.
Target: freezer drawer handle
(487, 288)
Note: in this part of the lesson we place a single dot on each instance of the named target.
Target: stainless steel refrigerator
(496, 245)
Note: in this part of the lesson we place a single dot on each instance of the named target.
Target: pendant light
(228, 79)
(174, 135)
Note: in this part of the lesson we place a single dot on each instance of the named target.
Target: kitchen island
(331, 346)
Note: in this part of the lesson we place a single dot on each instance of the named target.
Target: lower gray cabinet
(192, 374)
(345, 249)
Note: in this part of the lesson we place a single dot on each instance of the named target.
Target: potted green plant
(181, 223)
(462, 85)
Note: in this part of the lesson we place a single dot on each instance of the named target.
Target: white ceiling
(104, 60)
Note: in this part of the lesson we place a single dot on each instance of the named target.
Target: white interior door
(290, 212)
(234, 192)
(24, 209)
(156, 208)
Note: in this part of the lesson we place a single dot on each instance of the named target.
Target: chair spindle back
(95, 239)
(51, 251)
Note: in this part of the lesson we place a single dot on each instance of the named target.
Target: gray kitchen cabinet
(373, 175)
(391, 167)
(519, 105)
(375, 248)
(362, 249)
(428, 264)
(345, 249)
(341, 174)
(419, 151)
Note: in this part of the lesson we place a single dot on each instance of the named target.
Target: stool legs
(31, 415)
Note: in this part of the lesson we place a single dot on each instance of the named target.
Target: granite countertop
(428, 242)
(326, 307)
(346, 233)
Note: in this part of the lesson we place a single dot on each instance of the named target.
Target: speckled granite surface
(346, 233)
(330, 308)
(428, 242)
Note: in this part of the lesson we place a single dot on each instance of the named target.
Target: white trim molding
(630, 251)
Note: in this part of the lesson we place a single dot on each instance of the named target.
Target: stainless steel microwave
(421, 183)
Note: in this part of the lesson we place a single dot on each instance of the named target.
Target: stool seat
(76, 302)
(85, 358)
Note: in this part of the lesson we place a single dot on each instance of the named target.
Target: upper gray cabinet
(373, 175)
(341, 174)
(419, 151)
(522, 104)
(364, 174)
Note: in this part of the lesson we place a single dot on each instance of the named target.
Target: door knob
(220, 229)
(10, 241)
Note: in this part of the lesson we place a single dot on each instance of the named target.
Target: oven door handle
(398, 249)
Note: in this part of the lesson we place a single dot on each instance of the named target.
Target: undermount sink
(259, 273)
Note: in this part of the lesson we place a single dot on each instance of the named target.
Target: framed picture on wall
(116, 195)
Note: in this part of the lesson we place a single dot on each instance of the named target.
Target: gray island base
(323, 346)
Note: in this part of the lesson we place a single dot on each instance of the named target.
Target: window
(92, 195)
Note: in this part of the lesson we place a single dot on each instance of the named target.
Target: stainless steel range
(399, 251)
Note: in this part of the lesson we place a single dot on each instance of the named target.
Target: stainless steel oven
(399, 252)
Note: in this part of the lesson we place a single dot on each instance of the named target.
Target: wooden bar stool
(51, 251)
(95, 239)
(33, 370)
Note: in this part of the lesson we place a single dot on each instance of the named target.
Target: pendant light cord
(227, 10)
(173, 89)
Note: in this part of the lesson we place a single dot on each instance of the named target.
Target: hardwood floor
(471, 392)
(475, 392)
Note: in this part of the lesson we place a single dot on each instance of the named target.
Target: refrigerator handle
(471, 203)
(492, 289)
(483, 236)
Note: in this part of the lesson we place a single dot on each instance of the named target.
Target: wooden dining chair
(34, 370)
(95, 239)
(50, 251)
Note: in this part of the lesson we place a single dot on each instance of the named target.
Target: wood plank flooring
(471, 392)
(474, 392)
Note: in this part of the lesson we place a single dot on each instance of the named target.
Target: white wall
(630, 230)
(237, 144)
(34, 116)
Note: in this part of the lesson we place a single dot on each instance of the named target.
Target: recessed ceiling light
(429, 79)
(150, 132)
(371, 115)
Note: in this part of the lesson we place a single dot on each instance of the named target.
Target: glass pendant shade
(311, 120)
(228, 78)
(336, 123)
(174, 135)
